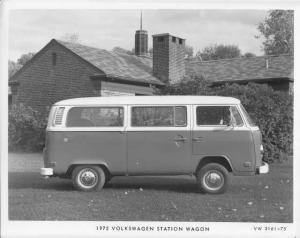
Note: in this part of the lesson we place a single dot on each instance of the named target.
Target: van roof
(151, 100)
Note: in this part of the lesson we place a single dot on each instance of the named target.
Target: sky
(31, 30)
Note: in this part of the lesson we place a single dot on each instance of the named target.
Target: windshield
(248, 118)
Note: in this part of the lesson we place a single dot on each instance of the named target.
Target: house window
(54, 59)
(173, 39)
(180, 41)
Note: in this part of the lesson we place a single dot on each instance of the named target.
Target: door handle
(198, 139)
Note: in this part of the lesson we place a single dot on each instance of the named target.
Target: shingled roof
(259, 68)
(122, 66)
(116, 64)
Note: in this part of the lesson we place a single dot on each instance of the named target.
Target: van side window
(158, 116)
(236, 117)
(180, 116)
(95, 117)
(218, 115)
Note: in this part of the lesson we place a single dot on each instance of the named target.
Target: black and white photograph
(144, 121)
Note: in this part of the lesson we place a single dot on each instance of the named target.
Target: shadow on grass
(23, 180)
(180, 184)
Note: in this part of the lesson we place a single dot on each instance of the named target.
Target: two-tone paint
(129, 150)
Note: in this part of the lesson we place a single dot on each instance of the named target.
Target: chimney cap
(141, 31)
(167, 34)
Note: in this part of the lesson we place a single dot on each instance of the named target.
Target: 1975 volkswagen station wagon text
(90, 140)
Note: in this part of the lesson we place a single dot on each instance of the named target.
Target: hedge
(271, 110)
(26, 129)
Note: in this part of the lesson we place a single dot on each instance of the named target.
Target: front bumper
(46, 171)
(263, 169)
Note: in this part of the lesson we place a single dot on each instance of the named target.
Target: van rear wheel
(88, 178)
(212, 178)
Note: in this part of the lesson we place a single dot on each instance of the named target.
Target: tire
(212, 178)
(107, 180)
(88, 178)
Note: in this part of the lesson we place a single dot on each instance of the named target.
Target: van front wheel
(88, 178)
(212, 178)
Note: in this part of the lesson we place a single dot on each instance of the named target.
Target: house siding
(41, 83)
(123, 89)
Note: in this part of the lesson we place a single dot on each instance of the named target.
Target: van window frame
(96, 108)
(247, 117)
(169, 106)
(213, 127)
(64, 126)
(187, 127)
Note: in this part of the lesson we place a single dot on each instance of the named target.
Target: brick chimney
(168, 58)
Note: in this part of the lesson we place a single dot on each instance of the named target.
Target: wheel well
(214, 159)
(72, 167)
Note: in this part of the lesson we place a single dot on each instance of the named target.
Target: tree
(249, 55)
(25, 58)
(13, 67)
(70, 37)
(278, 32)
(189, 51)
(216, 52)
(190, 85)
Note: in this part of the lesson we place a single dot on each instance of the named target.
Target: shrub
(26, 130)
(271, 110)
(188, 86)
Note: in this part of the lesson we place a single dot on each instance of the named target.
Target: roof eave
(257, 80)
(116, 78)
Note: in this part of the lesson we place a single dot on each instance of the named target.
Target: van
(90, 140)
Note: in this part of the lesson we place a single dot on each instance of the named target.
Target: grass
(264, 198)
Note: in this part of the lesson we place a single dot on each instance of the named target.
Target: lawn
(264, 198)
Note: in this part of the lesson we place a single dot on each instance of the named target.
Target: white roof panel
(151, 100)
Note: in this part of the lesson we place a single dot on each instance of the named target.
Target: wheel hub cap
(213, 180)
(88, 178)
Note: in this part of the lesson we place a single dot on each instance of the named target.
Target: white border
(87, 229)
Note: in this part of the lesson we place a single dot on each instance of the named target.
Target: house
(63, 70)
(276, 71)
